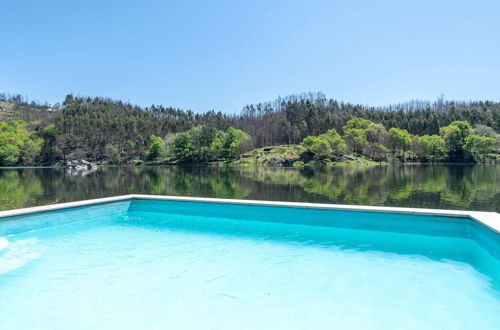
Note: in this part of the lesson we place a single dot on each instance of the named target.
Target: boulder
(80, 165)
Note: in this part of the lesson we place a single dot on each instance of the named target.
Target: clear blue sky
(221, 55)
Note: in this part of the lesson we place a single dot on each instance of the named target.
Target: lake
(469, 187)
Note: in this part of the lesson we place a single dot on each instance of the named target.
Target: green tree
(182, 148)
(454, 136)
(233, 141)
(30, 150)
(355, 132)
(376, 133)
(377, 140)
(318, 147)
(357, 123)
(482, 130)
(399, 140)
(201, 138)
(16, 144)
(204, 144)
(50, 152)
(156, 147)
(336, 142)
(464, 127)
(356, 139)
(479, 147)
(432, 147)
(451, 135)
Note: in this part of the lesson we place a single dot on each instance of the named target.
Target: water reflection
(452, 187)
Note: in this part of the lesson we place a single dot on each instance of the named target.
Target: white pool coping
(488, 219)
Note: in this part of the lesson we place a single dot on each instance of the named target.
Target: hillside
(108, 131)
(33, 114)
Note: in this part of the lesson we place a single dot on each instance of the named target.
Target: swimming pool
(178, 263)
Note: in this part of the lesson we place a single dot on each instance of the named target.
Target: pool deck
(488, 219)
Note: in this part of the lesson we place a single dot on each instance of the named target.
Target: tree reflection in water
(431, 186)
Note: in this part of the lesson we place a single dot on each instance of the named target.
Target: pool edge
(490, 220)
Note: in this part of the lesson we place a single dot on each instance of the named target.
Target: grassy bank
(295, 156)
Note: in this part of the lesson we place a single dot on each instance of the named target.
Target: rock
(80, 165)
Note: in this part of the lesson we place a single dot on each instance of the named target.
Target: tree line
(458, 141)
(289, 120)
(109, 131)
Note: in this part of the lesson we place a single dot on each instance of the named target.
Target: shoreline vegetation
(297, 131)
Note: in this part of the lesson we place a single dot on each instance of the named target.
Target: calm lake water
(438, 186)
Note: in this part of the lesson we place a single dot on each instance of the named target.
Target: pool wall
(24, 221)
(491, 220)
(481, 227)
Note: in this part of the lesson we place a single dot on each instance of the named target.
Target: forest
(107, 131)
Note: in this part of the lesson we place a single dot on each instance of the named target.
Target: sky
(222, 55)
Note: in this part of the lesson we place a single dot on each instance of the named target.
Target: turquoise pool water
(182, 265)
